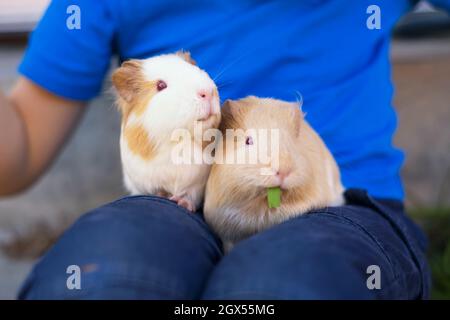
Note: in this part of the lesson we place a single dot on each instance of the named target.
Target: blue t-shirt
(320, 48)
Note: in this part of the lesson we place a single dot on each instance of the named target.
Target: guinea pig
(156, 97)
(304, 170)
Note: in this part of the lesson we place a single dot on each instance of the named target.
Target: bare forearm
(34, 124)
(13, 148)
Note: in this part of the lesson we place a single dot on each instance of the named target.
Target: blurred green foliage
(436, 224)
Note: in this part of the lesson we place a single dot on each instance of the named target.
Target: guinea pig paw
(162, 194)
(184, 201)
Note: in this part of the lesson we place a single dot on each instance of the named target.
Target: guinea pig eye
(248, 140)
(161, 85)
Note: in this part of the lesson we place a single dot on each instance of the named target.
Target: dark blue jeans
(145, 247)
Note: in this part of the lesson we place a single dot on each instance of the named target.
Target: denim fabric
(145, 247)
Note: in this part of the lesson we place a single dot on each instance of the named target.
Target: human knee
(298, 260)
(137, 246)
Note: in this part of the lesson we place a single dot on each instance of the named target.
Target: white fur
(179, 103)
(176, 107)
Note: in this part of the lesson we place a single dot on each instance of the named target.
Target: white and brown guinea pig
(236, 204)
(157, 96)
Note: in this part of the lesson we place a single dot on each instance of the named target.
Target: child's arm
(61, 70)
(34, 124)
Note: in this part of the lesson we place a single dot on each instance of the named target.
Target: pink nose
(205, 94)
(282, 174)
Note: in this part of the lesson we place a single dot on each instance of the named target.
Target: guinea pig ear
(186, 56)
(226, 114)
(299, 103)
(128, 79)
(226, 107)
(296, 115)
(233, 114)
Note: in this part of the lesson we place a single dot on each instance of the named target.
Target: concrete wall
(421, 74)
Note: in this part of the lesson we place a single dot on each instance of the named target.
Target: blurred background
(87, 173)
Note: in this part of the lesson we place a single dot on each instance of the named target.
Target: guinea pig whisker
(222, 85)
(299, 98)
(227, 67)
(217, 77)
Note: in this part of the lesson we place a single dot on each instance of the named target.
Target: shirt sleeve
(68, 61)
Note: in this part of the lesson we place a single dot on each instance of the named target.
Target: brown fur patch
(144, 95)
(127, 79)
(233, 115)
(134, 91)
(139, 141)
(186, 56)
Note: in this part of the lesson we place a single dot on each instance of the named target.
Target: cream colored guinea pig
(236, 204)
(157, 96)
